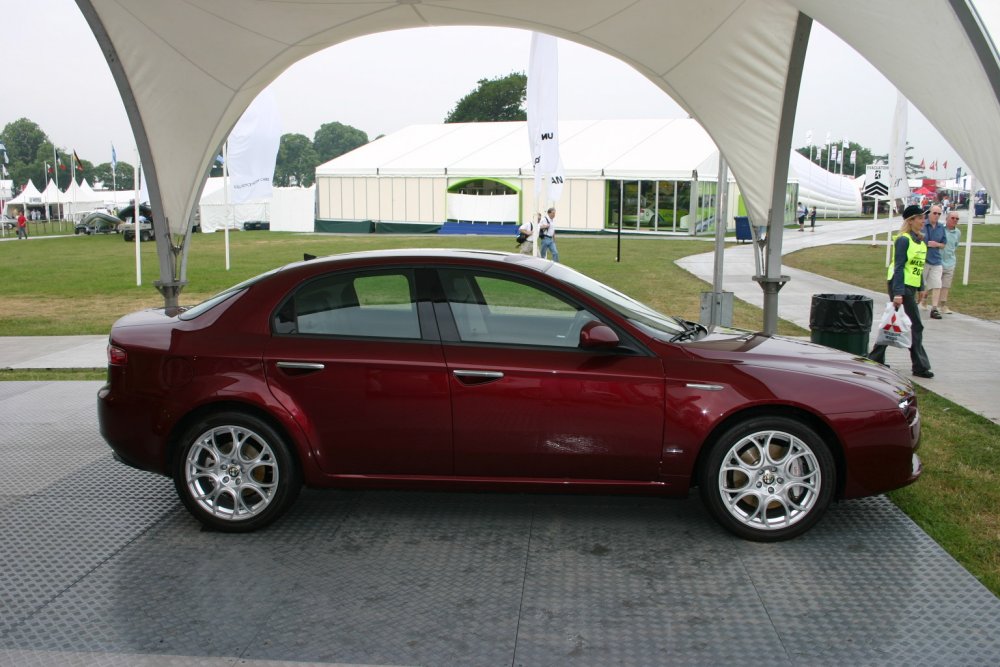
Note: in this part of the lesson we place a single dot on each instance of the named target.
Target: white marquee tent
(405, 176)
(29, 196)
(288, 210)
(187, 71)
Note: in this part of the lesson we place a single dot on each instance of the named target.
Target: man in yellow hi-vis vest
(904, 281)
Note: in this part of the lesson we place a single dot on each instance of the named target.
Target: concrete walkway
(962, 349)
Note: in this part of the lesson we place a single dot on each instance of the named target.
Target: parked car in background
(8, 222)
(127, 227)
(481, 370)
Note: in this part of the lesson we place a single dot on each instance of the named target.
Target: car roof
(428, 255)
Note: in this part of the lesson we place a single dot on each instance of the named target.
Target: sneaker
(947, 311)
(935, 314)
(923, 374)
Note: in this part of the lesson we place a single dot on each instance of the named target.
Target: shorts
(932, 276)
(946, 277)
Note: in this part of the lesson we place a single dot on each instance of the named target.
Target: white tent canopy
(287, 210)
(648, 149)
(29, 196)
(623, 149)
(52, 194)
(188, 70)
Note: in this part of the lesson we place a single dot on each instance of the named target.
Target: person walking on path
(547, 233)
(904, 281)
(22, 225)
(812, 219)
(527, 246)
(953, 237)
(934, 237)
(801, 212)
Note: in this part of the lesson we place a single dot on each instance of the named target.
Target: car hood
(795, 355)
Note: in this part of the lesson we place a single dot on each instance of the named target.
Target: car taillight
(116, 356)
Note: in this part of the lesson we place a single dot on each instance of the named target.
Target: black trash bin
(841, 321)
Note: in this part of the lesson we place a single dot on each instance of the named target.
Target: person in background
(527, 246)
(801, 212)
(547, 234)
(812, 219)
(22, 225)
(904, 281)
(934, 237)
(953, 236)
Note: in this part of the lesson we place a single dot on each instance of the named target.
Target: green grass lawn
(82, 284)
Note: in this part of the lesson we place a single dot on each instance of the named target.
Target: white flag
(898, 188)
(253, 150)
(543, 109)
(809, 138)
(556, 182)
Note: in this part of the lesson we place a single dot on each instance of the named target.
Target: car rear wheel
(145, 236)
(768, 479)
(235, 473)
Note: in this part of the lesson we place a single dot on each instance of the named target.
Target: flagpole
(135, 218)
(72, 180)
(225, 194)
(968, 229)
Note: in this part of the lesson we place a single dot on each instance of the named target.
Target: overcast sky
(57, 77)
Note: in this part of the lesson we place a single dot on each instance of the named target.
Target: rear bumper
(125, 424)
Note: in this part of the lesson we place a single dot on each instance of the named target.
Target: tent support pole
(772, 281)
(171, 280)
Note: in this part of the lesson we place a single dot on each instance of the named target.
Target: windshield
(652, 322)
(214, 301)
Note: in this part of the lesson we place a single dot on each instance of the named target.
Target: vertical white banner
(898, 186)
(543, 110)
(253, 150)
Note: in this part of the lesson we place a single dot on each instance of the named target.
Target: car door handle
(300, 366)
(477, 377)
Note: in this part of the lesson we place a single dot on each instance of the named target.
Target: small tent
(289, 209)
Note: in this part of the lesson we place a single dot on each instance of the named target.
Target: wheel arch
(202, 411)
(810, 419)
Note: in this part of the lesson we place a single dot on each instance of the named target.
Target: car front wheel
(235, 473)
(768, 479)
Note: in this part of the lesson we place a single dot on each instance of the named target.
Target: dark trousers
(918, 357)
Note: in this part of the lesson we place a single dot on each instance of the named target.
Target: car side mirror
(596, 335)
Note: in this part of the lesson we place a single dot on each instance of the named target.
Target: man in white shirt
(547, 234)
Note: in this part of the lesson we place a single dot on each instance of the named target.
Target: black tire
(776, 463)
(235, 473)
(145, 236)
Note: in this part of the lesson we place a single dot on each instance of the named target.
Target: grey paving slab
(103, 567)
(53, 352)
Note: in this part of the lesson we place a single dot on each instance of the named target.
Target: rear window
(211, 303)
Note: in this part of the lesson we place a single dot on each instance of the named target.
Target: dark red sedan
(486, 370)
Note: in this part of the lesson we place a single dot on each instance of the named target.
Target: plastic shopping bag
(894, 327)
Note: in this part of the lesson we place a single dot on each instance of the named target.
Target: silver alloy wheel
(770, 480)
(231, 472)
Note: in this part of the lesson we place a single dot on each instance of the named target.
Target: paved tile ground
(102, 566)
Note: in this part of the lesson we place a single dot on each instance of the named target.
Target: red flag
(945, 164)
(61, 165)
(76, 158)
(933, 166)
(48, 167)
(922, 165)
